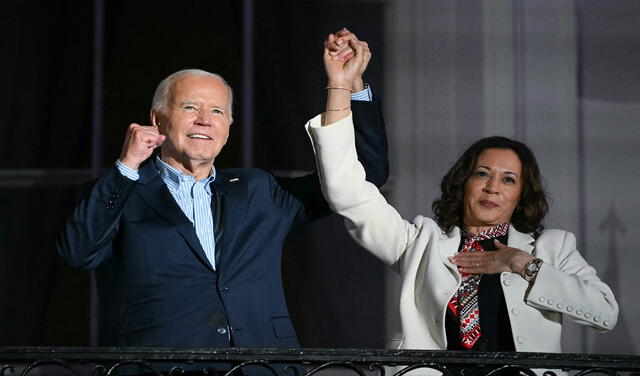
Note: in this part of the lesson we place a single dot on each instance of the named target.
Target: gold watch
(530, 269)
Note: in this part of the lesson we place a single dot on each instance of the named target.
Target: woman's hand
(505, 259)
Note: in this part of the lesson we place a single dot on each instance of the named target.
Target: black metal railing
(101, 361)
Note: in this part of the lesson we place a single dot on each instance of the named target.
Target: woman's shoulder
(555, 239)
(553, 233)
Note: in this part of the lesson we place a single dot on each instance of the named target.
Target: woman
(484, 275)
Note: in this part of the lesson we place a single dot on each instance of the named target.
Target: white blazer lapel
(449, 244)
(520, 240)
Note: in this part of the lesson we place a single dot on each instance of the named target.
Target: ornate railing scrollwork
(97, 361)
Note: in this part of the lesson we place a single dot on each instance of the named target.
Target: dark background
(55, 52)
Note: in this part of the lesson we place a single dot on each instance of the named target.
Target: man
(188, 255)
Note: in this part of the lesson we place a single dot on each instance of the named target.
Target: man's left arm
(371, 139)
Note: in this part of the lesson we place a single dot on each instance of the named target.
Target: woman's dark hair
(532, 208)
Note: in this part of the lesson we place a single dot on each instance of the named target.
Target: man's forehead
(193, 84)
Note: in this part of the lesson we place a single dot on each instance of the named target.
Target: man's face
(196, 121)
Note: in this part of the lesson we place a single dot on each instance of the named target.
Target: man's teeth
(199, 136)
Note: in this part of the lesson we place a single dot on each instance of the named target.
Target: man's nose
(204, 118)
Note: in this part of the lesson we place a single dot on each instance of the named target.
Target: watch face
(533, 267)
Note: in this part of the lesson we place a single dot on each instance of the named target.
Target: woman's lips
(489, 204)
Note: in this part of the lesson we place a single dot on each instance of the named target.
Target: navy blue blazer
(155, 284)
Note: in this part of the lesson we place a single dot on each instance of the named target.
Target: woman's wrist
(519, 260)
(346, 84)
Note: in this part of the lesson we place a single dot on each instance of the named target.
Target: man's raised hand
(139, 143)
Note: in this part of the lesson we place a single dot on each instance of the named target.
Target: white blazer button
(515, 311)
(520, 339)
(507, 282)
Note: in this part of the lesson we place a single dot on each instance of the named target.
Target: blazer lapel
(156, 194)
(449, 244)
(230, 200)
(520, 240)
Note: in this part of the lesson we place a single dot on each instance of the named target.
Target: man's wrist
(358, 85)
(127, 171)
(365, 95)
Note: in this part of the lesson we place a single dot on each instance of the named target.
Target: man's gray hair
(159, 101)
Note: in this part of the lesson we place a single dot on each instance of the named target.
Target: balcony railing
(100, 361)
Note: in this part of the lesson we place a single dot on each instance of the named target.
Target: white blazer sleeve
(370, 220)
(566, 283)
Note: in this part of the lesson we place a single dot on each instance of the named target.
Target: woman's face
(492, 192)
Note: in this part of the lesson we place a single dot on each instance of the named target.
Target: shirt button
(570, 309)
(521, 339)
(515, 311)
(606, 323)
(596, 319)
(542, 298)
(225, 288)
(579, 312)
(222, 331)
(551, 301)
(560, 306)
(587, 315)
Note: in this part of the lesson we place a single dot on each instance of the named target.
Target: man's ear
(155, 118)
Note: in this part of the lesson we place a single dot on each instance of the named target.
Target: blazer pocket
(282, 327)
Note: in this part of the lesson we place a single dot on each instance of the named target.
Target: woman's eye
(482, 174)
(509, 180)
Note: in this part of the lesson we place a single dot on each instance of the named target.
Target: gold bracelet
(338, 88)
(338, 109)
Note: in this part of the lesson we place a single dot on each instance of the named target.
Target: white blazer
(565, 285)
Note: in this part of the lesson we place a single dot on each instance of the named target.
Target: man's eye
(189, 107)
(218, 112)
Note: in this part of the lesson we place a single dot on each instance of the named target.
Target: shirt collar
(173, 177)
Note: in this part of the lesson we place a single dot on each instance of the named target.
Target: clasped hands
(345, 60)
(504, 259)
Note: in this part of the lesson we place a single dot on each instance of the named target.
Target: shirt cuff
(364, 95)
(127, 172)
